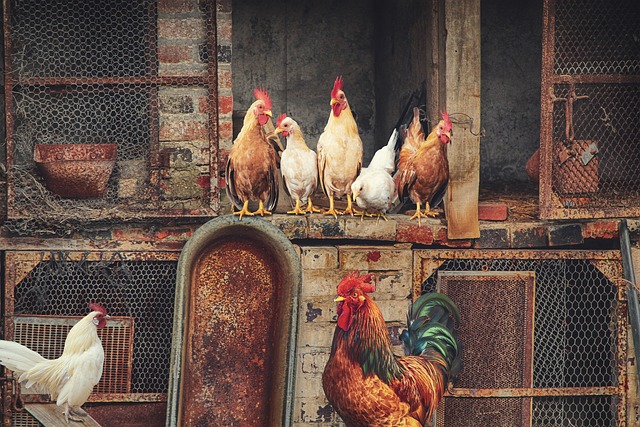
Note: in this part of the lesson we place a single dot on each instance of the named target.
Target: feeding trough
(76, 170)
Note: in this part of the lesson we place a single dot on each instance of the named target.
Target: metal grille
(103, 72)
(24, 419)
(590, 117)
(131, 285)
(46, 335)
(485, 412)
(579, 344)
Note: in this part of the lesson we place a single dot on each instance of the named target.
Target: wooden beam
(462, 23)
(50, 415)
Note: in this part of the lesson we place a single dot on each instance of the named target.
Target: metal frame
(609, 263)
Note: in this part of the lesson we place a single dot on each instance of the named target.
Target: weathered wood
(462, 21)
(50, 415)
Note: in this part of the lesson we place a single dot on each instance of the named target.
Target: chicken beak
(268, 113)
(339, 299)
(355, 195)
(448, 136)
(107, 317)
(334, 101)
(277, 131)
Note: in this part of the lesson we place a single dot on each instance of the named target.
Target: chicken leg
(261, 210)
(332, 210)
(350, 209)
(427, 212)
(243, 211)
(310, 207)
(297, 210)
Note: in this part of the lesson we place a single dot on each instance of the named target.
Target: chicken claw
(427, 213)
(297, 210)
(350, 209)
(332, 210)
(310, 207)
(244, 210)
(261, 210)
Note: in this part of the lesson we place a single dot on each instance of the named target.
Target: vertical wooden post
(462, 23)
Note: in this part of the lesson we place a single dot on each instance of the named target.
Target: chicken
(70, 378)
(251, 170)
(374, 188)
(339, 151)
(366, 383)
(423, 168)
(298, 165)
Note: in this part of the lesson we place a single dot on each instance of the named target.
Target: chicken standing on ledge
(298, 166)
(370, 386)
(251, 170)
(71, 377)
(339, 151)
(423, 168)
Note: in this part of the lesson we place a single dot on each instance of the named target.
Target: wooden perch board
(50, 415)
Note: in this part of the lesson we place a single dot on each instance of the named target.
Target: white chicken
(374, 188)
(70, 378)
(298, 166)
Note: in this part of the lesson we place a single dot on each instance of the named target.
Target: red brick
(414, 233)
(173, 6)
(605, 229)
(183, 131)
(203, 105)
(224, 30)
(193, 29)
(528, 236)
(225, 104)
(492, 211)
(174, 54)
(443, 239)
(224, 79)
(225, 129)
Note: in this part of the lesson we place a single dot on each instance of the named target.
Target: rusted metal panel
(533, 392)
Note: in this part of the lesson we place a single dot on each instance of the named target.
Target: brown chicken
(370, 386)
(251, 170)
(423, 168)
(339, 151)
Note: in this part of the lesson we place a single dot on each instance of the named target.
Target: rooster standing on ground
(339, 151)
(71, 377)
(370, 386)
(298, 165)
(423, 168)
(251, 170)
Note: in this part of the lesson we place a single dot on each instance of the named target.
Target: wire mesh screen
(576, 340)
(143, 290)
(590, 118)
(484, 412)
(135, 74)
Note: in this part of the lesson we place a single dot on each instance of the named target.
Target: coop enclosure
(544, 336)
(45, 294)
(141, 75)
(590, 117)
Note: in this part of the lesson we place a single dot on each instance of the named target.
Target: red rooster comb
(337, 86)
(351, 280)
(447, 121)
(262, 95)
(281, 117)
(97, 307)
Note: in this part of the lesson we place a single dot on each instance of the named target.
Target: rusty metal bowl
(76, 170)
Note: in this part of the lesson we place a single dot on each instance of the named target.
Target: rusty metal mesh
(593, 37)
(144, 290)
(575, 341)
(24, 419)
(92, 72)
(483, 412)
(587, 411)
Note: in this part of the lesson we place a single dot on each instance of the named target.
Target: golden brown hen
(423, 168)
(339, 151)
(370, 386)
(251, 171)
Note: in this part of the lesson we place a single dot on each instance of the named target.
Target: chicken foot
(427, 212)
(73, 414)
(243, 211)
(261, 210)
(332, 210)
(310, 207)
(297, 210)
(350, 209)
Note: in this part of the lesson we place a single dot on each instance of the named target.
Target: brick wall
(322, 269)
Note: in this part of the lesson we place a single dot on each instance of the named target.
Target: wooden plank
(50, 415)
(462, 21)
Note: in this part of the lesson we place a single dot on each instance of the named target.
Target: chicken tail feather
(17, 357)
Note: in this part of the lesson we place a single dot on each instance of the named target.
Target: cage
(590, 151)
(139, 75)
(46, 292)
(543, 333)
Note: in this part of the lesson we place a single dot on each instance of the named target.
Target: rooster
(423, 168)
(251, 170)
(339, 151)
(370, 386)
(374, 188)
(298, 165)
(70, 378)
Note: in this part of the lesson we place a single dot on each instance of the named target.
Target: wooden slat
(50, 415)
(462, 21)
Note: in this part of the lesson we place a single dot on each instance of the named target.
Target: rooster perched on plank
(339, 151)
(370, 386)
(251, 170)
(423, 168)
(298, 165)
(70, 378)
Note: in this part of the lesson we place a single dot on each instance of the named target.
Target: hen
(339, 151)
(298, 166)
(423, 168)
(374, 188)
(370, 386)
(251, 170)
(70, 378)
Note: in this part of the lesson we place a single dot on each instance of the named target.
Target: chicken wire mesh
(576, 342)
(142, 289)
(590, 118)
(136, 74)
